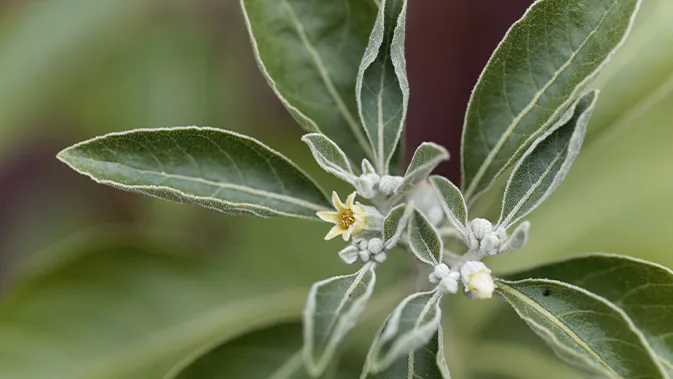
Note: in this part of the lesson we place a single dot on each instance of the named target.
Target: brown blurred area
(449, 42)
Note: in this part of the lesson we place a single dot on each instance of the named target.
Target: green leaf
(310, 55)
(424, 240)
(270, 353)
(409, 327)
(330, 156)
(124, 312)
(332, 309)
(382, 87)
(209, 167)
(584, 329)
(642, 289)
(395, 223)
(546, 163)
(544, 62)
(427, 156)
(453, 204)
(427, 362)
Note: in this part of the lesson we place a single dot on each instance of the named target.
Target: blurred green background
(97, 283)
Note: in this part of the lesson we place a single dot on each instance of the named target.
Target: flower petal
(338, 205)
(350, 200)
(333, 217)
(335, 231)
(347, 233)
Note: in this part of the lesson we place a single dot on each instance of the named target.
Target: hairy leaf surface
(410, 326)
(382, 87)
(546, 163)
(309, 53)
(453, 204)
(208, 167)
(330, 156)
(424, 240)
(332, 309)
(644, 290)
(544, 62)
(584, 329)
(426, 157)
(427, 362)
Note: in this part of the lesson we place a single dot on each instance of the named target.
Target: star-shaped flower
(349, 218)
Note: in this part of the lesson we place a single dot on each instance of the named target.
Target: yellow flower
(349, 218)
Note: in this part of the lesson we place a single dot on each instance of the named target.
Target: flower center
(347, 219)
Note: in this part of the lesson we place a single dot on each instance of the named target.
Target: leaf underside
(546, 163)
(332, 309)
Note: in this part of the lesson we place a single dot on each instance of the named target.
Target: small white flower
(350, 219)
(477, 280)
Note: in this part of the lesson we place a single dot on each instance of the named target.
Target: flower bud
(389, 184)
(481, 227)
(375, 245)
(349, 254)
(365, 255)
(449, 284)
(489, 245)
(364, 186)
(477, 280)
(381, 257)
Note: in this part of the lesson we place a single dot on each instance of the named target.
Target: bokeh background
(98, 283)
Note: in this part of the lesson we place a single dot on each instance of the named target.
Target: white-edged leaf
(584, 329)
(644, 290)
(395, 224)
(212, 168)
(424, 240)
(382, 88)
(410, 326)
(426, 362)
(517, 240)
(453, 204)
(426, 157)
(309, 55)
(546, 163)
(330, 156)
(542, 65)
(332, 309)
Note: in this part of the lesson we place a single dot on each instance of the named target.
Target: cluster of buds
(494, 241)
(475, 276)
(370, 184)
(365, 250)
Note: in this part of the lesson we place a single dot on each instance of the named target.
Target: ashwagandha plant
(527, 117)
